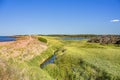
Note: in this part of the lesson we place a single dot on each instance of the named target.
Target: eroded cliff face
(106, 39)
(24, 48)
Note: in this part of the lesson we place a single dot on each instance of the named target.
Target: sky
(19, 17)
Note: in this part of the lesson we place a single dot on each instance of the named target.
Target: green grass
(20, 69)
(76, 60)
(82, 61)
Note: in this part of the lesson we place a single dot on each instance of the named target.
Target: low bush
(42, 39)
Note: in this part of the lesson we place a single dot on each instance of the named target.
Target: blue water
(6, 39)
(75, 38)
(48, 61)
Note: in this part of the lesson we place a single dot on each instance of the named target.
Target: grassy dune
(20, 60)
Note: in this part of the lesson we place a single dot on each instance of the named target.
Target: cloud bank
(115, 20)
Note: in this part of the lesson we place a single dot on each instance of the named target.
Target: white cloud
(115, 20)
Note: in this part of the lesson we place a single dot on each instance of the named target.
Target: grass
(87, 61)
(76, 60)
(18, 68)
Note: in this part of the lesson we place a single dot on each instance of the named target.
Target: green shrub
(42, 39)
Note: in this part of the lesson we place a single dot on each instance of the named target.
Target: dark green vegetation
(79, 35)
(42, 39)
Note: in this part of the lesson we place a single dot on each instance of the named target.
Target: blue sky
(59, 17)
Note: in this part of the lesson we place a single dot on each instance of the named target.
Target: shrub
(42, 39)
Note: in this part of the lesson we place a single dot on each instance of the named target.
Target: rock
(106, 39)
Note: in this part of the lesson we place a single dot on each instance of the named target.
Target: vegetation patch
(86, 61)
(42, 39)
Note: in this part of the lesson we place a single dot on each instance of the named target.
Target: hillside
(14, 57)
(25, 48)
